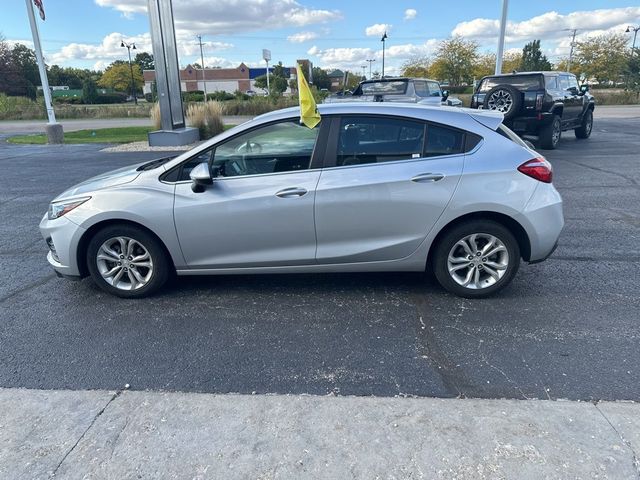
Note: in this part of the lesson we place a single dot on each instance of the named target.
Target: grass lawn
(102, 135)
(99, 135)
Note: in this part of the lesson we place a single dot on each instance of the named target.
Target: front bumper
(62, 237)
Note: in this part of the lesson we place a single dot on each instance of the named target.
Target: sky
(331, 33)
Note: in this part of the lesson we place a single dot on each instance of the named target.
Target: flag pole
(57, 137)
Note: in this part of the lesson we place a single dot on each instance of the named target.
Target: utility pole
(129, 47)
(54, 129)
(204, 81)
(384, 37)
(635, 34)
(503, 27)
(364, 68)
(573, 43)
(370, 60)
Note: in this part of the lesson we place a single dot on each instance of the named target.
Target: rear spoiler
(489, 118)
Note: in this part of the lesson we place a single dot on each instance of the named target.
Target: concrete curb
(98, 434)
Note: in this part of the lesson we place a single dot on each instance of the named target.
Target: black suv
(538, 103)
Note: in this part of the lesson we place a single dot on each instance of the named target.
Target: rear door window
(443, 140)
(376, 139)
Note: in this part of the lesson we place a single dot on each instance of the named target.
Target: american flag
(38, 3)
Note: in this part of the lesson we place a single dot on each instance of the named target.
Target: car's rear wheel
(584, 130)
(127, 261)
(476, 259)
(550, 134)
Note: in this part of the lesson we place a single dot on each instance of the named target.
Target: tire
(550, 134)
(114, 271)
(505, 99)
(450, 250)
(584, 130)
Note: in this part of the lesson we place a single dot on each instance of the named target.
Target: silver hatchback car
(374, 187)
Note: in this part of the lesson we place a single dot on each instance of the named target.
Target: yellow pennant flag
(308, 111)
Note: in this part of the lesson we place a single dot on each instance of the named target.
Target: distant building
(337, 80)
(218, 79)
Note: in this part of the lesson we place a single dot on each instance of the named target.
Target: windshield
(521, 82)
(396, 87)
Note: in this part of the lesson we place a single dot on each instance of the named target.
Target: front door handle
(291, 192)
(427, 177)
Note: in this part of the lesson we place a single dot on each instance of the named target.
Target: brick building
(229, 80)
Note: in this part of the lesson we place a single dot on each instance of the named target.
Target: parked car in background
(542, 104)
(250, 93)
(374, 187)
(400, 89)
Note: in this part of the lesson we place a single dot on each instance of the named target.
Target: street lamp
(384, 37)
(370, 60)
(635, 34)
(129, 47)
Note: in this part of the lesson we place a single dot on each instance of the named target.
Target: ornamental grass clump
(206, 117)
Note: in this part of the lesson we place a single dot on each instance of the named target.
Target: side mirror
(584, 88)
(201, 177)
(445, 95)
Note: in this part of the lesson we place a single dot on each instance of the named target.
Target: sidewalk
(97, 434)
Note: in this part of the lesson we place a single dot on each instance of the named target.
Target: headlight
(58, 209)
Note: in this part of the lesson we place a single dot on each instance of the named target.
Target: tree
(278, 80)
(320, 78)
(533, 59)
(118, 76)
(89, 91)
(454, 60)
(417, 66)
(486, 64)
(145, 60)
(603, 57)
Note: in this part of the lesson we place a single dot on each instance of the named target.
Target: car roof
(465, 118)
(395, 79)
(538, 72)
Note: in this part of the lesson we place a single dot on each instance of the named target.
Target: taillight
(539, 99)
(538, 168)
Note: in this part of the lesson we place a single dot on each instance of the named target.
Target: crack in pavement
(95, 418)
(627, 443)
(31, 286)
(602, 170)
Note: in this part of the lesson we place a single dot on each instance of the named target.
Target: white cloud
(410, 13)
(549, 25)
(377, 30)
(232, 16)
(302, 37)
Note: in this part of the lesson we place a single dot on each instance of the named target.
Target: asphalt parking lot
(565, 328)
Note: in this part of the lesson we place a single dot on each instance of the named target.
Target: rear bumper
(530, 124)
(543, 219)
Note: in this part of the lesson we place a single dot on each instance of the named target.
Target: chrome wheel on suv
(500, 100)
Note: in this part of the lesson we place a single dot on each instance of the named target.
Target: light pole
(204, 81)
(635, 34)
(384, 37)
(503, 28)
(573, 44)
(370, 60)
(129, 47)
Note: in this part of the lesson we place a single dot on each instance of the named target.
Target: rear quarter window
(521, 82)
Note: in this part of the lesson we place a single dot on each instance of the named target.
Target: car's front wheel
(476, 259)
(127, 261)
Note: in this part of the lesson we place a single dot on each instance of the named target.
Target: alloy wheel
(501, 101)
(478, 261)
(124, 263)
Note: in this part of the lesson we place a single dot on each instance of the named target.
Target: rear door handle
(427, 177)
(291, 192)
